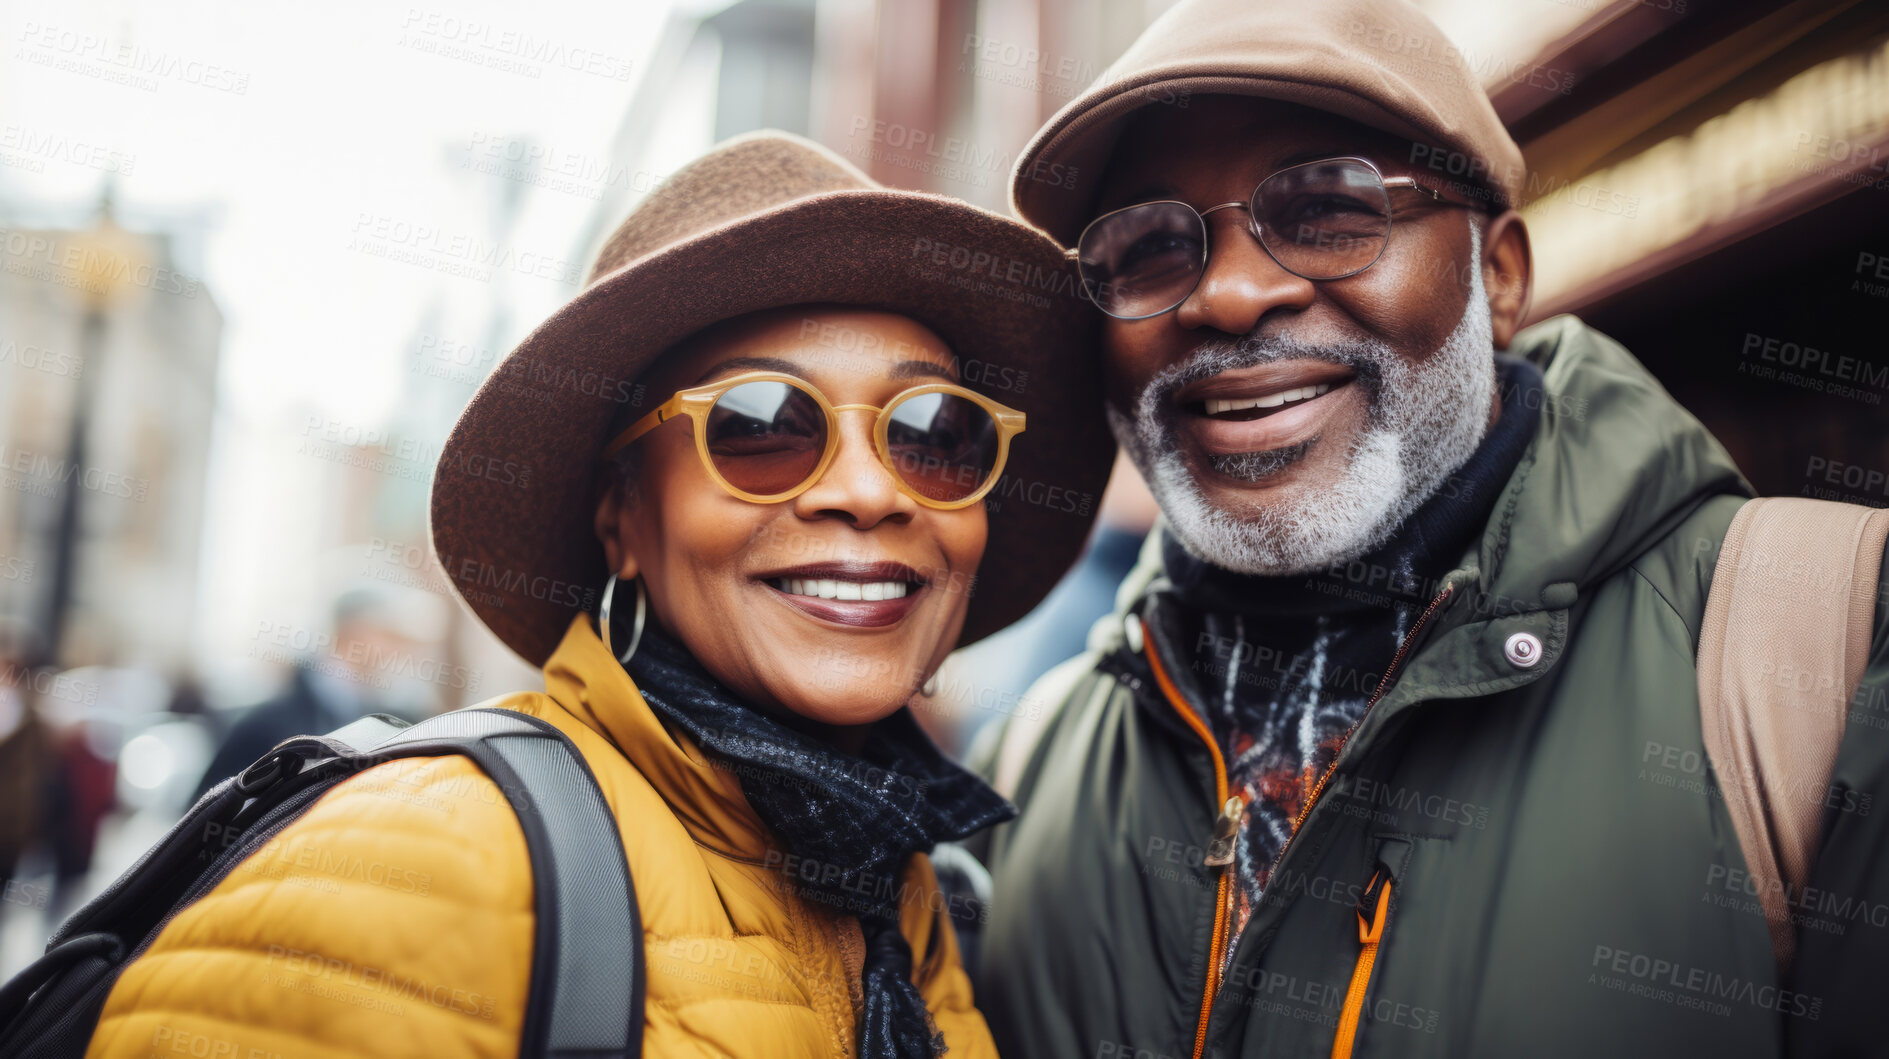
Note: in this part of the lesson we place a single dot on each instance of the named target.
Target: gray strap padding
(598, 939)
(462, 724)
(367, 731)
(587, 998)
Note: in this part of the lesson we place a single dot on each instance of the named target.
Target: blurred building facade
(108, 367)
(1710, 185)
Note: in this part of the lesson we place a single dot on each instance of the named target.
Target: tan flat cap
(1381, 63)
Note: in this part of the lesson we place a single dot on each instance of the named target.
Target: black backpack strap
(586, 996)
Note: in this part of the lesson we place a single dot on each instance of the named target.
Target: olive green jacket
(1563, 877)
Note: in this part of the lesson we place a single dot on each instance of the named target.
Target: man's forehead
(1166, 149)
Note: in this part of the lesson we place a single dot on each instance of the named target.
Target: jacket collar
(1615, 466)
(583, 679)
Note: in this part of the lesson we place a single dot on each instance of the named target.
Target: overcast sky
(300, 127)
(313, 145)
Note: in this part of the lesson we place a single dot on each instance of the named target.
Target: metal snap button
(1131, 628)
(1523, 650)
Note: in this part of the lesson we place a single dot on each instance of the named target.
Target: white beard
(1423, 421)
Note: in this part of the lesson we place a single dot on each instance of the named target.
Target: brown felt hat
(1381, 63)
(761, 222)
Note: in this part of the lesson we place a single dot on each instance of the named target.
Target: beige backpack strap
(1782, 647)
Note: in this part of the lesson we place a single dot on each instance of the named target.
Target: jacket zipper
(1227, 824)
(1373, 914)
(1383, 685)
(1219, 850)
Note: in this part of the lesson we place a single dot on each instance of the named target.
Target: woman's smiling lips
(848, 593)
(1262, 408)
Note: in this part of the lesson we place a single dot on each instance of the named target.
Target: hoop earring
(636, 628)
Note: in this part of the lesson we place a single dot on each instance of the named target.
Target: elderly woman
(780, 441)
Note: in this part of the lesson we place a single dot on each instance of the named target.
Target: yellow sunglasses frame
(696, 401)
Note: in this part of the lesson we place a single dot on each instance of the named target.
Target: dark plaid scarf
(1282, 668)
(849, 822)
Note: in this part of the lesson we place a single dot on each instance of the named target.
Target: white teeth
(829, 588)
(1271, 400)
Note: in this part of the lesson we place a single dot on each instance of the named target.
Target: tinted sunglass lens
(1324, 220)
(766, 438)
(1143, 260)
(942, 445)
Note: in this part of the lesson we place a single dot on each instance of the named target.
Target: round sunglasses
(767, 436)
(1321, 220)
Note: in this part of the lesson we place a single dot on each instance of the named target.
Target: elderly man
(1394, 747)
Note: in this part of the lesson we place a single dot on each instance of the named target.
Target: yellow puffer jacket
(395, 917)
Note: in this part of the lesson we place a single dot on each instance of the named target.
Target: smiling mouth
(848, 593)
(1242, 409)
(1279, 406)
(834, 588)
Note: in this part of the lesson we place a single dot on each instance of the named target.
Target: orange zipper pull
(1373, 908)
(1225, 830)
(1373, 911)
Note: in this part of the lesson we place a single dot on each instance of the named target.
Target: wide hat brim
(514, 492)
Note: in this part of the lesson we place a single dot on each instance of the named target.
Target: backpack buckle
(266, 772)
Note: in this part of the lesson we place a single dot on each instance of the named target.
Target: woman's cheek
(962, 537)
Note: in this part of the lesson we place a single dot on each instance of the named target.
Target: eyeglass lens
(1321, 220)
(767, 438)
(942, 445)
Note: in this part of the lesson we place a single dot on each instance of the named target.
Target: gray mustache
(1366, 360)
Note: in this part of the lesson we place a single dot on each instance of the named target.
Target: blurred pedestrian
(326, 689)
(24, 755)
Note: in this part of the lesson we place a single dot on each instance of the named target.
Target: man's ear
(1507, 274)
(609, 525)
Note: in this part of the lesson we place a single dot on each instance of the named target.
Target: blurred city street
(255, 260)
